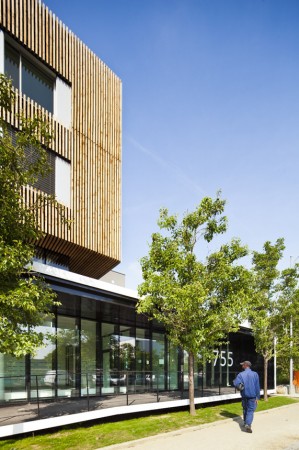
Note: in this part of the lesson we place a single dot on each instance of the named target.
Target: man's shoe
(248, 429)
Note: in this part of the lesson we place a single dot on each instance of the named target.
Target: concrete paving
(275, 429)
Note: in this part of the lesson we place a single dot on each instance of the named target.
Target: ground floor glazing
(96, 344)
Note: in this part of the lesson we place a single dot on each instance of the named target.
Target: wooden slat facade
(92, 144)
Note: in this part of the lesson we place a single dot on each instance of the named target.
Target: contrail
(176, 171)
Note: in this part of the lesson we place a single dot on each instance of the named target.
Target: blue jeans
(249, 406)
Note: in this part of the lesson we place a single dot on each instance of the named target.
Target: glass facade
(96, 344)
(67, 350)
(88, 342)
(158, 359)
(42, 362)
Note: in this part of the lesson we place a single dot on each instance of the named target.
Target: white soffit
(81, 279)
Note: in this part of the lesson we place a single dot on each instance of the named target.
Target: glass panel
(67, 355)
(70, 304)
(126, 349)
(109, 312)
(197, 372)
(36, 85)
(173, 357)
(126, 377)
(89, 308)
(12, 381)
(88, 356)
(46, 183)
(158, 360)
(185, 370)
(143, 377)
(201, 374)
(142, 350)
(43, 362)
(12, 64)
(110, 356)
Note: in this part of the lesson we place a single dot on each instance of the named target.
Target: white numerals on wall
(226, 358)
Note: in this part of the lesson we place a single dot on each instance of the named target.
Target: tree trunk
(191, 383)
(265, 379)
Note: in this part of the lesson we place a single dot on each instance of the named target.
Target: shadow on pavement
(236, 418)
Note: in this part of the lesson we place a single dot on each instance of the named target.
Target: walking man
(249, 385)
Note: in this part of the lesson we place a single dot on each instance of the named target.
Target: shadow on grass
(229, 415)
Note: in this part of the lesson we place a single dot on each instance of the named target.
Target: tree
(274, 295)
(287, 342)
(24, 299)
(198, 301)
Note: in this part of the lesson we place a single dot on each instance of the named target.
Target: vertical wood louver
(92, 144)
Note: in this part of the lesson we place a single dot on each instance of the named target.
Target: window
(30, 76)
(12, 61)
(34, 79)
(46, 183)
(57, 181)
(36, 85)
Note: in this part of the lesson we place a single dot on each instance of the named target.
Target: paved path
(276, 429)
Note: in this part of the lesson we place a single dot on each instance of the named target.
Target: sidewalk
(275, 429)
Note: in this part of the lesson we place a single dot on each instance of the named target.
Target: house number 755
(226, 358)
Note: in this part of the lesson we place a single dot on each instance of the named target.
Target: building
(97, 344)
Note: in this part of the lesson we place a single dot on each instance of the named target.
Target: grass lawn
(101, 435)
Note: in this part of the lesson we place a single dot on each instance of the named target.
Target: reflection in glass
(173, 355)
(36, 85)
(185, 369)
(142, 350)
(118, 345)
(43, 362)
(13, 383)
(110, 351)
(158, 360)
(126, 348)
(126, 377)
(33, 82)
(12, 63)
(143, 375)
(67, 354)
(88, 356)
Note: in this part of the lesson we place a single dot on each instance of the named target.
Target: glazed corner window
(30, 77)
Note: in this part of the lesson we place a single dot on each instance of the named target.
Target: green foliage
(24, 299)
(199, 301)
(7, 94)
(274, 302)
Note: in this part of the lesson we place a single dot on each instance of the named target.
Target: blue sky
(210, 101)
